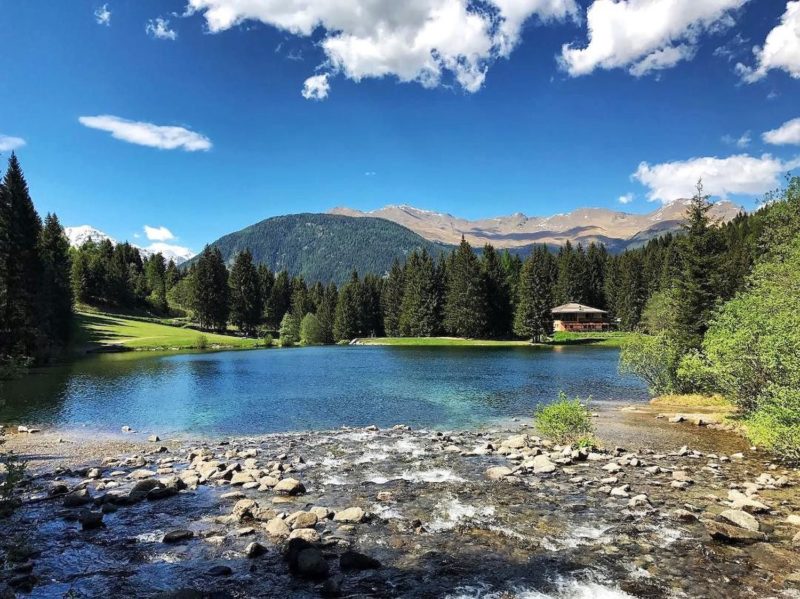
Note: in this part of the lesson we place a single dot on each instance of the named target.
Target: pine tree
(420, 315)
(498, 296)
(465, 305)
(155, 278)
(280, 299)
(326, 313)
(346, 324)
(210, 290)
(371, 321)
(22, 266)
(392, 299)
(301, 303)
(245, 294)
(698, 287)
(172, 276)
(533, 319)
(631, 294)
(56, 291)
(596, 259)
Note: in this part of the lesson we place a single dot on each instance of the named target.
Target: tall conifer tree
(245, 293)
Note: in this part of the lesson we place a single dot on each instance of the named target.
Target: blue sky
(534, 106)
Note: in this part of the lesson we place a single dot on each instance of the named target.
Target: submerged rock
(176, 536)
(353, 560)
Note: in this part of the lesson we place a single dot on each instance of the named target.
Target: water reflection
(311, 388)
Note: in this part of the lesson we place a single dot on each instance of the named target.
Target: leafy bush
(776, 425)
(311, 332)
(655, 359)
(565, 421)
(694, 374)
(289, 330)
(202, 342)
(267, 340)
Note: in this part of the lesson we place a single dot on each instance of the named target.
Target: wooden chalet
(578, 318)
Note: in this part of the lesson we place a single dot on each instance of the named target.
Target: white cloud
(103, 16)
(781, 49)
(413, 40)
(158, 233)
(316, 87)
(148, 134)
(740, 142)
(739, 174)
(645, 35)
(788, 133)
(158, 28)
(8, 143)
(625, 199)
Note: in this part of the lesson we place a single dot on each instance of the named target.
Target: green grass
(437, 341)
(98, 329)
(610, 339)
(596, 339)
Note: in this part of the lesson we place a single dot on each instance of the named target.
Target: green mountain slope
(325, 247)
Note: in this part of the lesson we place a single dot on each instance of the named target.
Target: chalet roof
(575, 308)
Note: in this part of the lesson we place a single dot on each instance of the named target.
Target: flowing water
(312, 388)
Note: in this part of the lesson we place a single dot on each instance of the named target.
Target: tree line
(35, 292)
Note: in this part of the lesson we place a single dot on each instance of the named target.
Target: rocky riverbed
(496, 513)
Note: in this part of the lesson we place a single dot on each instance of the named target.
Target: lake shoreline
(398, 512)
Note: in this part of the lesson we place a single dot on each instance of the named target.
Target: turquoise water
(250, 392)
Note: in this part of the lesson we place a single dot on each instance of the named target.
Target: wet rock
(290, 486)
(161, 492)
(353, 560)
(90, 520)
(497, 472)
(176, 536)
(233, 495)
(254, 549)
(741, 519)
(516, 442)
(142, 489)
(244, 509)
(277, 528)
(681, 475)
(268, 482)
(93, 473)
(307, 534)
(639, 501)
(612, 467)
(679, 484)
(684, 515)
(305, 560)
(324, 513)
(153, 438)
(126, 429)
(302, 520)
(352, 515)
(57, 489)
(263, 514)
(220, 571)
(141, 474)
(241, 478)
(332, 587)
(727, 533)
(621, 491)
(543, 465)
(77, 498)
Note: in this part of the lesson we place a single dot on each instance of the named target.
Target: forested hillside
(325, 247)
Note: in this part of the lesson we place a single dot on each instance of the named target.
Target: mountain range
(328, 247)
(617, 230)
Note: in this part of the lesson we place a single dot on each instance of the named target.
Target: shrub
(268, 340)
(775, 425)
(655, 359)
(694, 374)
(565, 421)
(311, 332)
(202, 342)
